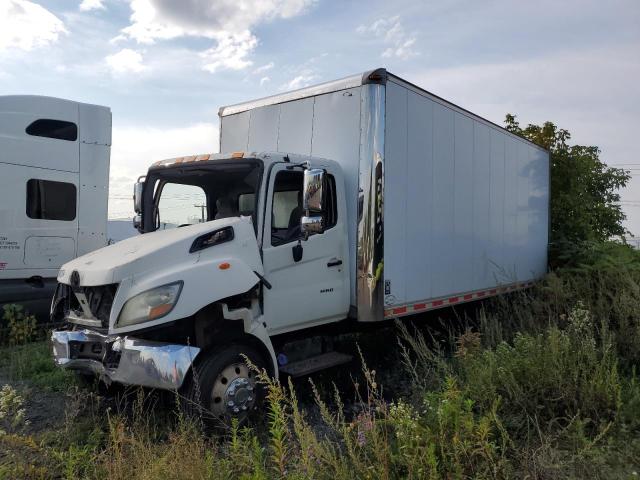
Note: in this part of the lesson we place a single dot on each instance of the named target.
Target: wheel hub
(239, 395)
(233, 392)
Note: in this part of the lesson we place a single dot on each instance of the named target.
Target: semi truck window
(181, 204)
(49, 200)
(58, 129)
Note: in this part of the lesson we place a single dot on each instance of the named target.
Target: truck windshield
(188, 194)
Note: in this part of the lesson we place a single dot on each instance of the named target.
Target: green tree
(584, 191)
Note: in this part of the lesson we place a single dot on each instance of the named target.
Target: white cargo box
(444, 206)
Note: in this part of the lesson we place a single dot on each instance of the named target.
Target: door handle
(334, 262)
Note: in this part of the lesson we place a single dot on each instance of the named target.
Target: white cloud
(118, 39)
(264, 81)
(26, 25)
(88, 5)
(125, 61)
(230, 53)
(228, 22)
(304, 79)
(160, 19)
(147, 25)
(390, 30)
(264, 68)
(134, 149)
(403, 50)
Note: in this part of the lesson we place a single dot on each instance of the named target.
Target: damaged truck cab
(209, 288)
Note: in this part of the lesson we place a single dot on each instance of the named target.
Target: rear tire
(222, 387)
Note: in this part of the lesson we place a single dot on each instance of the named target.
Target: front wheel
(223, 387)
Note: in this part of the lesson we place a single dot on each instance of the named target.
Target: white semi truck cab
(357, 200)
(54, 180)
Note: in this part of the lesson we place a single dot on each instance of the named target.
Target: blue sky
(165, 66)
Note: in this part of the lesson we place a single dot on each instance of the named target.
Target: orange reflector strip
(237, 155)
(433, 304)
(224, 266)
(159, 310)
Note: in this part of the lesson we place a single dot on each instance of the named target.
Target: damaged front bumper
(126, 360)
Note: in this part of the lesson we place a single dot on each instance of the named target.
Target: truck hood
(138, 256)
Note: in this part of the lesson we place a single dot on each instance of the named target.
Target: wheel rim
(233, 393)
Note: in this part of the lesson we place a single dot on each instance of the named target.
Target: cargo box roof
(377, 76)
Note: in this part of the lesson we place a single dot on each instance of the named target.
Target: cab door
(309, 278)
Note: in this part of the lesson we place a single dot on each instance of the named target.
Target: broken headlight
(149, 305)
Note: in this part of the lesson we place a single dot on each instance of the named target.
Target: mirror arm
(263, 280)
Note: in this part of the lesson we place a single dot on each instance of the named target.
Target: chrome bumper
(125, 360)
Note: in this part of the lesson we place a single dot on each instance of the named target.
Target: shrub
(12, 412)
(545, 380)
(21, 325)
(447, 439)
(605, 279)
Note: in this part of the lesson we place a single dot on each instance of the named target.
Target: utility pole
(201, 207)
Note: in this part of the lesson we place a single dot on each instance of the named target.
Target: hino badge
(357, 200)
(54, 174)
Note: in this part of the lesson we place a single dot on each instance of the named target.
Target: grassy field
(539, 385)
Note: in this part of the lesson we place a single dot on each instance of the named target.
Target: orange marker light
(224, 266)
(237, 155)
(159, 310)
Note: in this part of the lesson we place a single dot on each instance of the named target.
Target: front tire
(223, 387)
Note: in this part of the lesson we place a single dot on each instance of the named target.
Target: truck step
(315, 364)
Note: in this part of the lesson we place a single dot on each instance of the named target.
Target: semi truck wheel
(223, 387)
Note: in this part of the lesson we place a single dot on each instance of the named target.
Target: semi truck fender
(253, 326)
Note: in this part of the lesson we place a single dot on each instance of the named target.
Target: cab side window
(331, 209)
(287, 208)
(50, 200)
(58, 129)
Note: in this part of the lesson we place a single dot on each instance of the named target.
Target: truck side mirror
(313, 202)
(312, 225)
(138, 187)
(313, 190)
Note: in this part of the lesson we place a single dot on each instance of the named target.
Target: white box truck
(54, 178)
(358, 200)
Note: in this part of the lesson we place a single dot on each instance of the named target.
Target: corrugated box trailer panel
(465, 202)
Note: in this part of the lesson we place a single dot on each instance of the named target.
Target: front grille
(100, 300)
